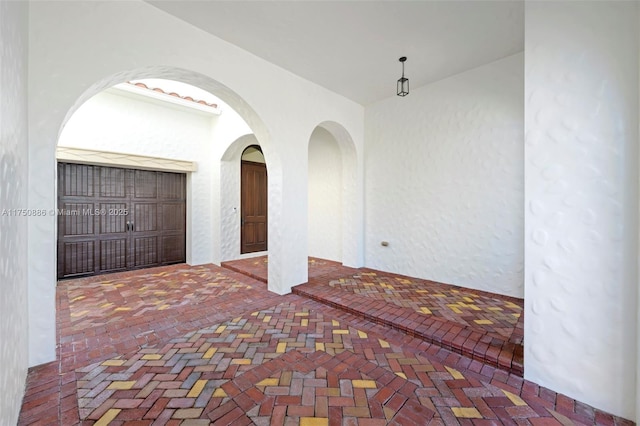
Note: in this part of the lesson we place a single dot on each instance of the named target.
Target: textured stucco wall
(581, 207)
(325, 196)
(444, 180)
(13, 195)
(112, 122)
(74, 53)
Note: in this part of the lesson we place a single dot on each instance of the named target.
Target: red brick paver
(237, 354)
(483, 326)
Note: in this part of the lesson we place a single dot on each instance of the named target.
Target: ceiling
(352, 47)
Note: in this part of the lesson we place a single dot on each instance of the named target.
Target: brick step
(259, 274)
(468, 341)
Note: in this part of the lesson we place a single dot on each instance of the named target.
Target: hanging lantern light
(403, 82)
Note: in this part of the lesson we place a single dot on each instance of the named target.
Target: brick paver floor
(483, 326)
(133, 352)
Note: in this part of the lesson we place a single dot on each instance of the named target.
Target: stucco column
(288, 226)
(42, 245)
(581, 200)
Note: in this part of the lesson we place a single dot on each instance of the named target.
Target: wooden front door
(253, 207)
(114, 219)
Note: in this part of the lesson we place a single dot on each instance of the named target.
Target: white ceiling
(352, 47)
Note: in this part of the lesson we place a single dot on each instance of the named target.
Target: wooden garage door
(113, 219)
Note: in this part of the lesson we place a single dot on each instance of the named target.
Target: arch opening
(332, 201)
(169, 142)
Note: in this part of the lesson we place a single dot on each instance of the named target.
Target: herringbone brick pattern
(498, 317)
(250, 357)
(480, 325)
(236, 372)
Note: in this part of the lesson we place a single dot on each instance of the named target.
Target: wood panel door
(253, 207)
(113, 219)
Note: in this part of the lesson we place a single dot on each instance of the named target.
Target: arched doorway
(333, 205)
(325, 196)
(129, 161)
(253, 201)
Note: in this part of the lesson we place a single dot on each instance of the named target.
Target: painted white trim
(105, 158)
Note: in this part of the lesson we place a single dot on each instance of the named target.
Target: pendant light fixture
(403, 82)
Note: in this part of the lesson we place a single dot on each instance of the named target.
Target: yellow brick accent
(120, 385)
(514, 398)
(220, 329)
(340, 331)
(440, 295)
(209, 353)
(152, 357)
(123, 308)
(384, 343)
(404, 376)
(425, 310)
(281, 348)
(245, 335)
(219, 393)
(301, 314)
(196, 389)
(362, 334)
(335, 323)
(422, 291)
(483, 321)
(267, 318)
(271, 381)
(319, 346)
(107, 417)
(454, 307)
(314, 421)
(304, 322)
(113, 362)
(466, 412)
(494, 308)
(163, 307)
(241, 361)
(454, 373)
(364, 384)
(79, 314)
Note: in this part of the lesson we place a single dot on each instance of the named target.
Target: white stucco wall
(232, 135)
(113, 121)
(74, 53)
(13, 195)
(325, 196)
(444, 180)
(581, 207)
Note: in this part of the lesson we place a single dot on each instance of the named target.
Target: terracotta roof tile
(174, 94)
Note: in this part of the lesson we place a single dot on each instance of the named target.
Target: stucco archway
(229, 201)
(43, 230)
(260, 135)
(344, 195)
